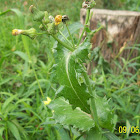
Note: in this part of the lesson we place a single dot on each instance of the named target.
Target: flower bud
(37, 14)
(52, 28)
(30, 33)
(88, 4)
(16, 32)
(46, 19)
(41, 27)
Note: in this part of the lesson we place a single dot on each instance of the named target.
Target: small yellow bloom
(58, 19)
(16, 32)
(48, 101)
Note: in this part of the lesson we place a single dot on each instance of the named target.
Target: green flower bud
(37, 14)
(46, 19)
(41, 27)
(30, 33)
(52, 28)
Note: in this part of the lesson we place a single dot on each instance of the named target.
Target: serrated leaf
(64, 114)
(105, 114)
(67, 67)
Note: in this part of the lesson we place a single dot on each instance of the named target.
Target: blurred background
(69, 7)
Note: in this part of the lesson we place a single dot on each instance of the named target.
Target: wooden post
(121, 30)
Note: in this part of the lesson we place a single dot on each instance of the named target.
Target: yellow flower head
(16, 32)
(30, 32)
(58, 19)
(48, 101)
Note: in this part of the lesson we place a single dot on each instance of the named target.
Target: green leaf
(20, 128)
(22, 55)
(111, 136)
(1, 130)
(7, 102)
(2, 13)
(105, 115)
(17, 12)
(73, 28)
(14, 130)
(67, 70)
(63, 134)
(95, 134)
(64, 114)
(13, 10)
(128, 125)
(5, 80)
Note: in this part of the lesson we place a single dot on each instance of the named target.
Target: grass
(27, 77)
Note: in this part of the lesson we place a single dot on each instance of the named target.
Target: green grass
(27, 71)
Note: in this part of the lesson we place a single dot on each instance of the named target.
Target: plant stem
(70, 35)
(62, 43)
(92, 101)
(87, 19)
(41, 33)
(57, 39)
(65, 38)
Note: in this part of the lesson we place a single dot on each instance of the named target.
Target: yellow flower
(30, 32)
(48, 101)
(58, 19)
(16, 32)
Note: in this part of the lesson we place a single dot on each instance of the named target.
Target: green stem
(41, 33)
(65, 38)
(92, 101)
(86, 22)
(62, 43)
(56, 38)
(70, 35)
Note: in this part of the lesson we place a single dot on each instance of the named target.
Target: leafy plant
(43, 65)
(74, 83)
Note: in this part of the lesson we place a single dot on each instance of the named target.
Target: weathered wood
(122, 29)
